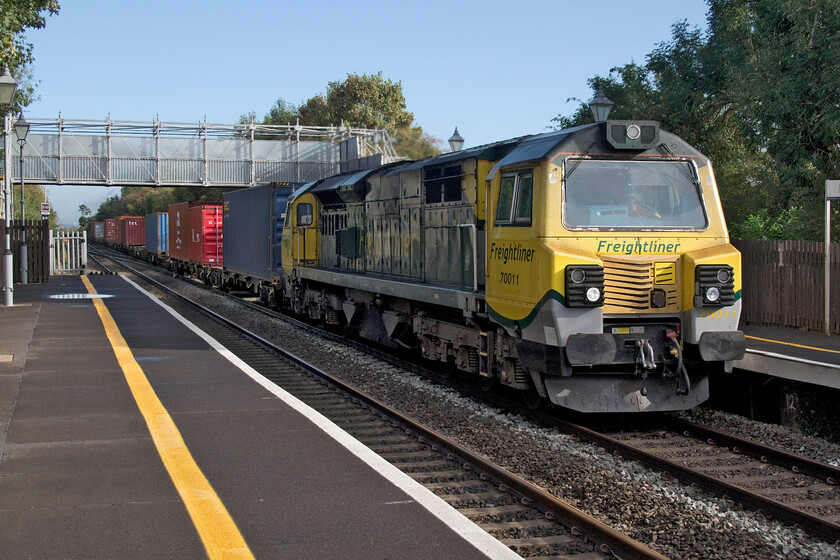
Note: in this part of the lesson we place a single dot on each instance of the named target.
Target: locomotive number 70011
(508, 278)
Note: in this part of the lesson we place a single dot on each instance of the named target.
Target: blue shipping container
(157, 233)
(253, 219)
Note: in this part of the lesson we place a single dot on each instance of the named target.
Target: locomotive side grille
(629, 284)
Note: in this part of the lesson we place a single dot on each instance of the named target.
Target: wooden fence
(784, 284)
(37, 249)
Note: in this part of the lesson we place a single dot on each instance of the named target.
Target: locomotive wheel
(447, 369)
(532, 399)
(486, 383)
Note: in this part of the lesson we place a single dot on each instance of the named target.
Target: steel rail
(808, 522)
(803, 465)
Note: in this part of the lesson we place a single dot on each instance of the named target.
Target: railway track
(524, 517)
(795, 490)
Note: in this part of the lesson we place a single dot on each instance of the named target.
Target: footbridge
(156, 153)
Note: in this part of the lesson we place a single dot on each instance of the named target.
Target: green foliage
(84, 218)
(790, 223)
(141, 201)
(415, 144)
(16, 17)
(34, 197)
(359, 102)
(757, 93)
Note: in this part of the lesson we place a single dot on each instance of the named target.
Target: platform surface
(793, 354)
(807, 345)
(81, 476)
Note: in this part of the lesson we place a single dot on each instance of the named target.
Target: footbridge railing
(156, 153)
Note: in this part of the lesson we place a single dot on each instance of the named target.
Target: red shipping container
(206, 244)
(179, 231)
(131, 231)
(111, 230)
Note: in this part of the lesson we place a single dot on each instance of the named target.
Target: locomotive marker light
(8, 85)
(600, 106)
(21, 130)
(456, 141)
(832, 192)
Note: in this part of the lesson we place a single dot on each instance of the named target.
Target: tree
(781, 57)
(359, 102)
(282, 113)
(756, 93)
(84, 219)
(15, 51)
(415, 144)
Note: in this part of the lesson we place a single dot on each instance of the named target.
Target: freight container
(131, 231)
(179, 231)
(157, 233)
(98, 231)
(251, 217)
(206, 234)
(111, 230)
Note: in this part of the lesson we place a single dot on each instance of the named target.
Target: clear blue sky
(494, 69)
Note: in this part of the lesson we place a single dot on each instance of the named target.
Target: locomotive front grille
(639, 284)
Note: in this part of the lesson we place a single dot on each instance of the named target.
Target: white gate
(68, 252)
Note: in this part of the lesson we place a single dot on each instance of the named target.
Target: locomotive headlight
(712, 294)
(714, 285)
(577, 275)
(584, 285)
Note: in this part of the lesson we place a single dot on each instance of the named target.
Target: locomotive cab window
(601, 194)
(515, 199)
(304, 215)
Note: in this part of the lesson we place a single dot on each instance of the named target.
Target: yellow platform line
(218, 532)
(792, 344)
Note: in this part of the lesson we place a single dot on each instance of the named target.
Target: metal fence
(784, 284)
(68, 252)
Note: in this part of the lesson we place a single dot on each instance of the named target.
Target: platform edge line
(461, 525)
(216, 528)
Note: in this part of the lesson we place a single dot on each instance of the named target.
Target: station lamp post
(600, 106)
(21, 130)
(456, 142)
(8, 85)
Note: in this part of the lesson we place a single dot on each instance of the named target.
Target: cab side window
(515, 199)
(304, 215)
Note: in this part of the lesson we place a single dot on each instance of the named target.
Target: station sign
(45, 210)
(832, 190)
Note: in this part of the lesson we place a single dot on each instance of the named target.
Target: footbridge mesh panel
(156, 153)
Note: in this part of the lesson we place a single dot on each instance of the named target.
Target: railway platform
(125, 434)
(793, 354)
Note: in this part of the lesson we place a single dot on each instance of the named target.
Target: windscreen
(632, 195)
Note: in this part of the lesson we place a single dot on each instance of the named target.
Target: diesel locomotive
(589, 267)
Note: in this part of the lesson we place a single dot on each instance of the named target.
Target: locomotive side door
(512, 264)
(305, 231)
